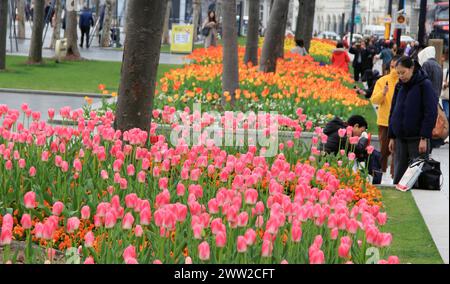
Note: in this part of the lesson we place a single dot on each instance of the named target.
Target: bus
(440, 21)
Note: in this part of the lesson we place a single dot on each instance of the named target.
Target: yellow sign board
(182, 38)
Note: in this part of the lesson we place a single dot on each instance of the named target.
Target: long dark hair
(213, 19)
(409, 63)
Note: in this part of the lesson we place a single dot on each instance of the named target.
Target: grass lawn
(82, 76)
(412, 241)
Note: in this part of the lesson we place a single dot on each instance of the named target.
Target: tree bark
(305, 21)
(35, 55)
(57, 29)
(106, 32)
(140, 64)
(3, 33)
(230, 76)
(73, 52)
(166, 35)
(280, 45)
(197, 8)
(251, 50)
(274, 35)
(21, 19)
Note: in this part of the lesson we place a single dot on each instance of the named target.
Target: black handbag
(205, 31)
(430, 178)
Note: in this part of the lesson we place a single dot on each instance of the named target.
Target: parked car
(329, 35)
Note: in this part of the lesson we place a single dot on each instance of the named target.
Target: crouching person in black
(337, 140)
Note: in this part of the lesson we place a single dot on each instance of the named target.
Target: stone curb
(52, 93)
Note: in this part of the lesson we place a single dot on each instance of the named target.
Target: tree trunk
(274, 35)
(166, 35)
(73, 52)
(197, 8)
(106, 32)
(305, 21)
(35, 56)
(57, 29)
(230, 77)
(280, 45)
(21, 19)
(145, 22)
(251, 50)
(218, 10)
(3, 33)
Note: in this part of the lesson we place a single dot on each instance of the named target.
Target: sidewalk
(93, 53)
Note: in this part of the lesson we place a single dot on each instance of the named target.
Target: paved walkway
(93, 53)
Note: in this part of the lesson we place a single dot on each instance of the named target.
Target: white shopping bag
(411, 176)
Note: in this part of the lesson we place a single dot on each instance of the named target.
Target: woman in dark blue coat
(413, 115)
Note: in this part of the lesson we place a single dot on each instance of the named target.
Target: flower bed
(117, 199)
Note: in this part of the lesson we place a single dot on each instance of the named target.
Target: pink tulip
(72, 224)
(110, 220)
(341, 132)
(104, 175)
(32, 171)
(296, 233)
(127, 221)
(138, 231)
(89, 260)
(57, 209)
(129, 253)
(354, 140)
(181, 189)
(30, 200)
(204, 251)
(85, 212)
(251, 196)
(370, 149)
(26, 221)
(241, 244)
(130, 170)
(8, 165)
(77, 165)
(51, 113)
(334, 233)
(250, 236)
(393, 260)
(44, 156)
(221, 239)
(64, 166)
(317, 257)
(145, 216)
(382, 218)
(242, 219)
(188, 260)
(344, 250)
(89, 239)
(141, 177)
(123, 183)
(267, 247)
(351, 156)
(163, 183)
(198, 230)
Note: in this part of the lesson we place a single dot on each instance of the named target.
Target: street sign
(387, 20)
(400, 22)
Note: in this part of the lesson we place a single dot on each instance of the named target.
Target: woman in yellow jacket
(382, 96)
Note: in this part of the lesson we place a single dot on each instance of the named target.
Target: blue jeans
(445, 107)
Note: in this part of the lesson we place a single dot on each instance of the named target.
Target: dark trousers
(406, 150)
(357, 72)
(384, 148)
(85, 32)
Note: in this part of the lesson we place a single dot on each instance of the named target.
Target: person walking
(382, 96)
(86, 22)
(340, 58)
(300, 48)
(386, 56)
(360, 59)
(209, 29)
(412, 117)
(427, 59)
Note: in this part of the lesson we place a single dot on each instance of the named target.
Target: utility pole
(401, 6)
(387, 35)
(352, 27)
(422, 19)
